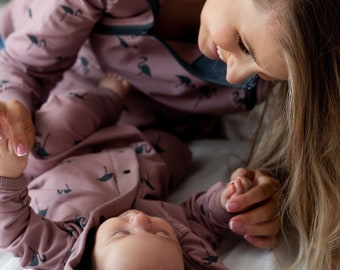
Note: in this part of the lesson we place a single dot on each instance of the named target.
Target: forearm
(24, 233)
(206, 210)
(14, 210)
(35, 57)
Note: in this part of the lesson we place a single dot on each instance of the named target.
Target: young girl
(296, 42)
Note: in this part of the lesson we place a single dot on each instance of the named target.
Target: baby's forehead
(148, 250)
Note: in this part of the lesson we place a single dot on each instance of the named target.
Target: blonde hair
(302, 141)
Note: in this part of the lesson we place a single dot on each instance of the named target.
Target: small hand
(258, 219)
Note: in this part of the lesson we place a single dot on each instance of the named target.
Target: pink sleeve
(29, 236)
(204, 209)
(45, 45)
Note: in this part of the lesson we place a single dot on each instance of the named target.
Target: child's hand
(258, 209)
(115, 83)
(234, 188)
(11, 165)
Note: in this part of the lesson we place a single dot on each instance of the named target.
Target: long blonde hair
(303, 140)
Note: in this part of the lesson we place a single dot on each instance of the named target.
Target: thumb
(20, 128)
(227, 193)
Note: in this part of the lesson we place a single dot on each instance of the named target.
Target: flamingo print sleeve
(27, 234)
(48, 37)
(205, 209)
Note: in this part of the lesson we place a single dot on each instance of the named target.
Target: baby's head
(136, 241)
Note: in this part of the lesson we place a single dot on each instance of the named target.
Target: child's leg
(74, 110)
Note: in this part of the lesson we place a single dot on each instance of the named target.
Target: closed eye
(161, 232)
(120, 233)
(242, 47)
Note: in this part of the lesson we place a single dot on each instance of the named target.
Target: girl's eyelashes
(241, 46)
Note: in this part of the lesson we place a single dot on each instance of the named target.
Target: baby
(150, 241)
(100, 204)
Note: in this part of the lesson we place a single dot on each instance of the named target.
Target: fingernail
(248, 238)
(21, 150)
(237, 226)
(232, 206)
(230, 189)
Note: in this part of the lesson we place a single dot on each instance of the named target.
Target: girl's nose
(238, 71)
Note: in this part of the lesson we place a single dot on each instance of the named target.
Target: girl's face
(244, 37)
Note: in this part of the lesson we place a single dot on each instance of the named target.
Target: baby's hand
(234, 188)
(11, 165)
(115, 83)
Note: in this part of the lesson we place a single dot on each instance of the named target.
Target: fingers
(263, 241)
(242, 172)
(242, 185)
(259, 208)
(265, 188)
(260, 225)
(257, 220)
(261, 235)
(236, 187)
(11, 165)
(16, 125)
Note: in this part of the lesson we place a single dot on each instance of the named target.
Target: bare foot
(115, 83)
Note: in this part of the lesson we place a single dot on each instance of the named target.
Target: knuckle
(241, 171)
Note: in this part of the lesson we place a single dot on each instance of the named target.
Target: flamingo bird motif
(106, 177)
(2, 43)
(184, 80)
(124, 44)
(3, 84)
(205, 92)
(144, 68)
(37, 257)
(36, 41)
(40, 148)
(70, 11)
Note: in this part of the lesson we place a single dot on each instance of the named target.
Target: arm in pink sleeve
(37, 241)
(43, 46)
(204, 210)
